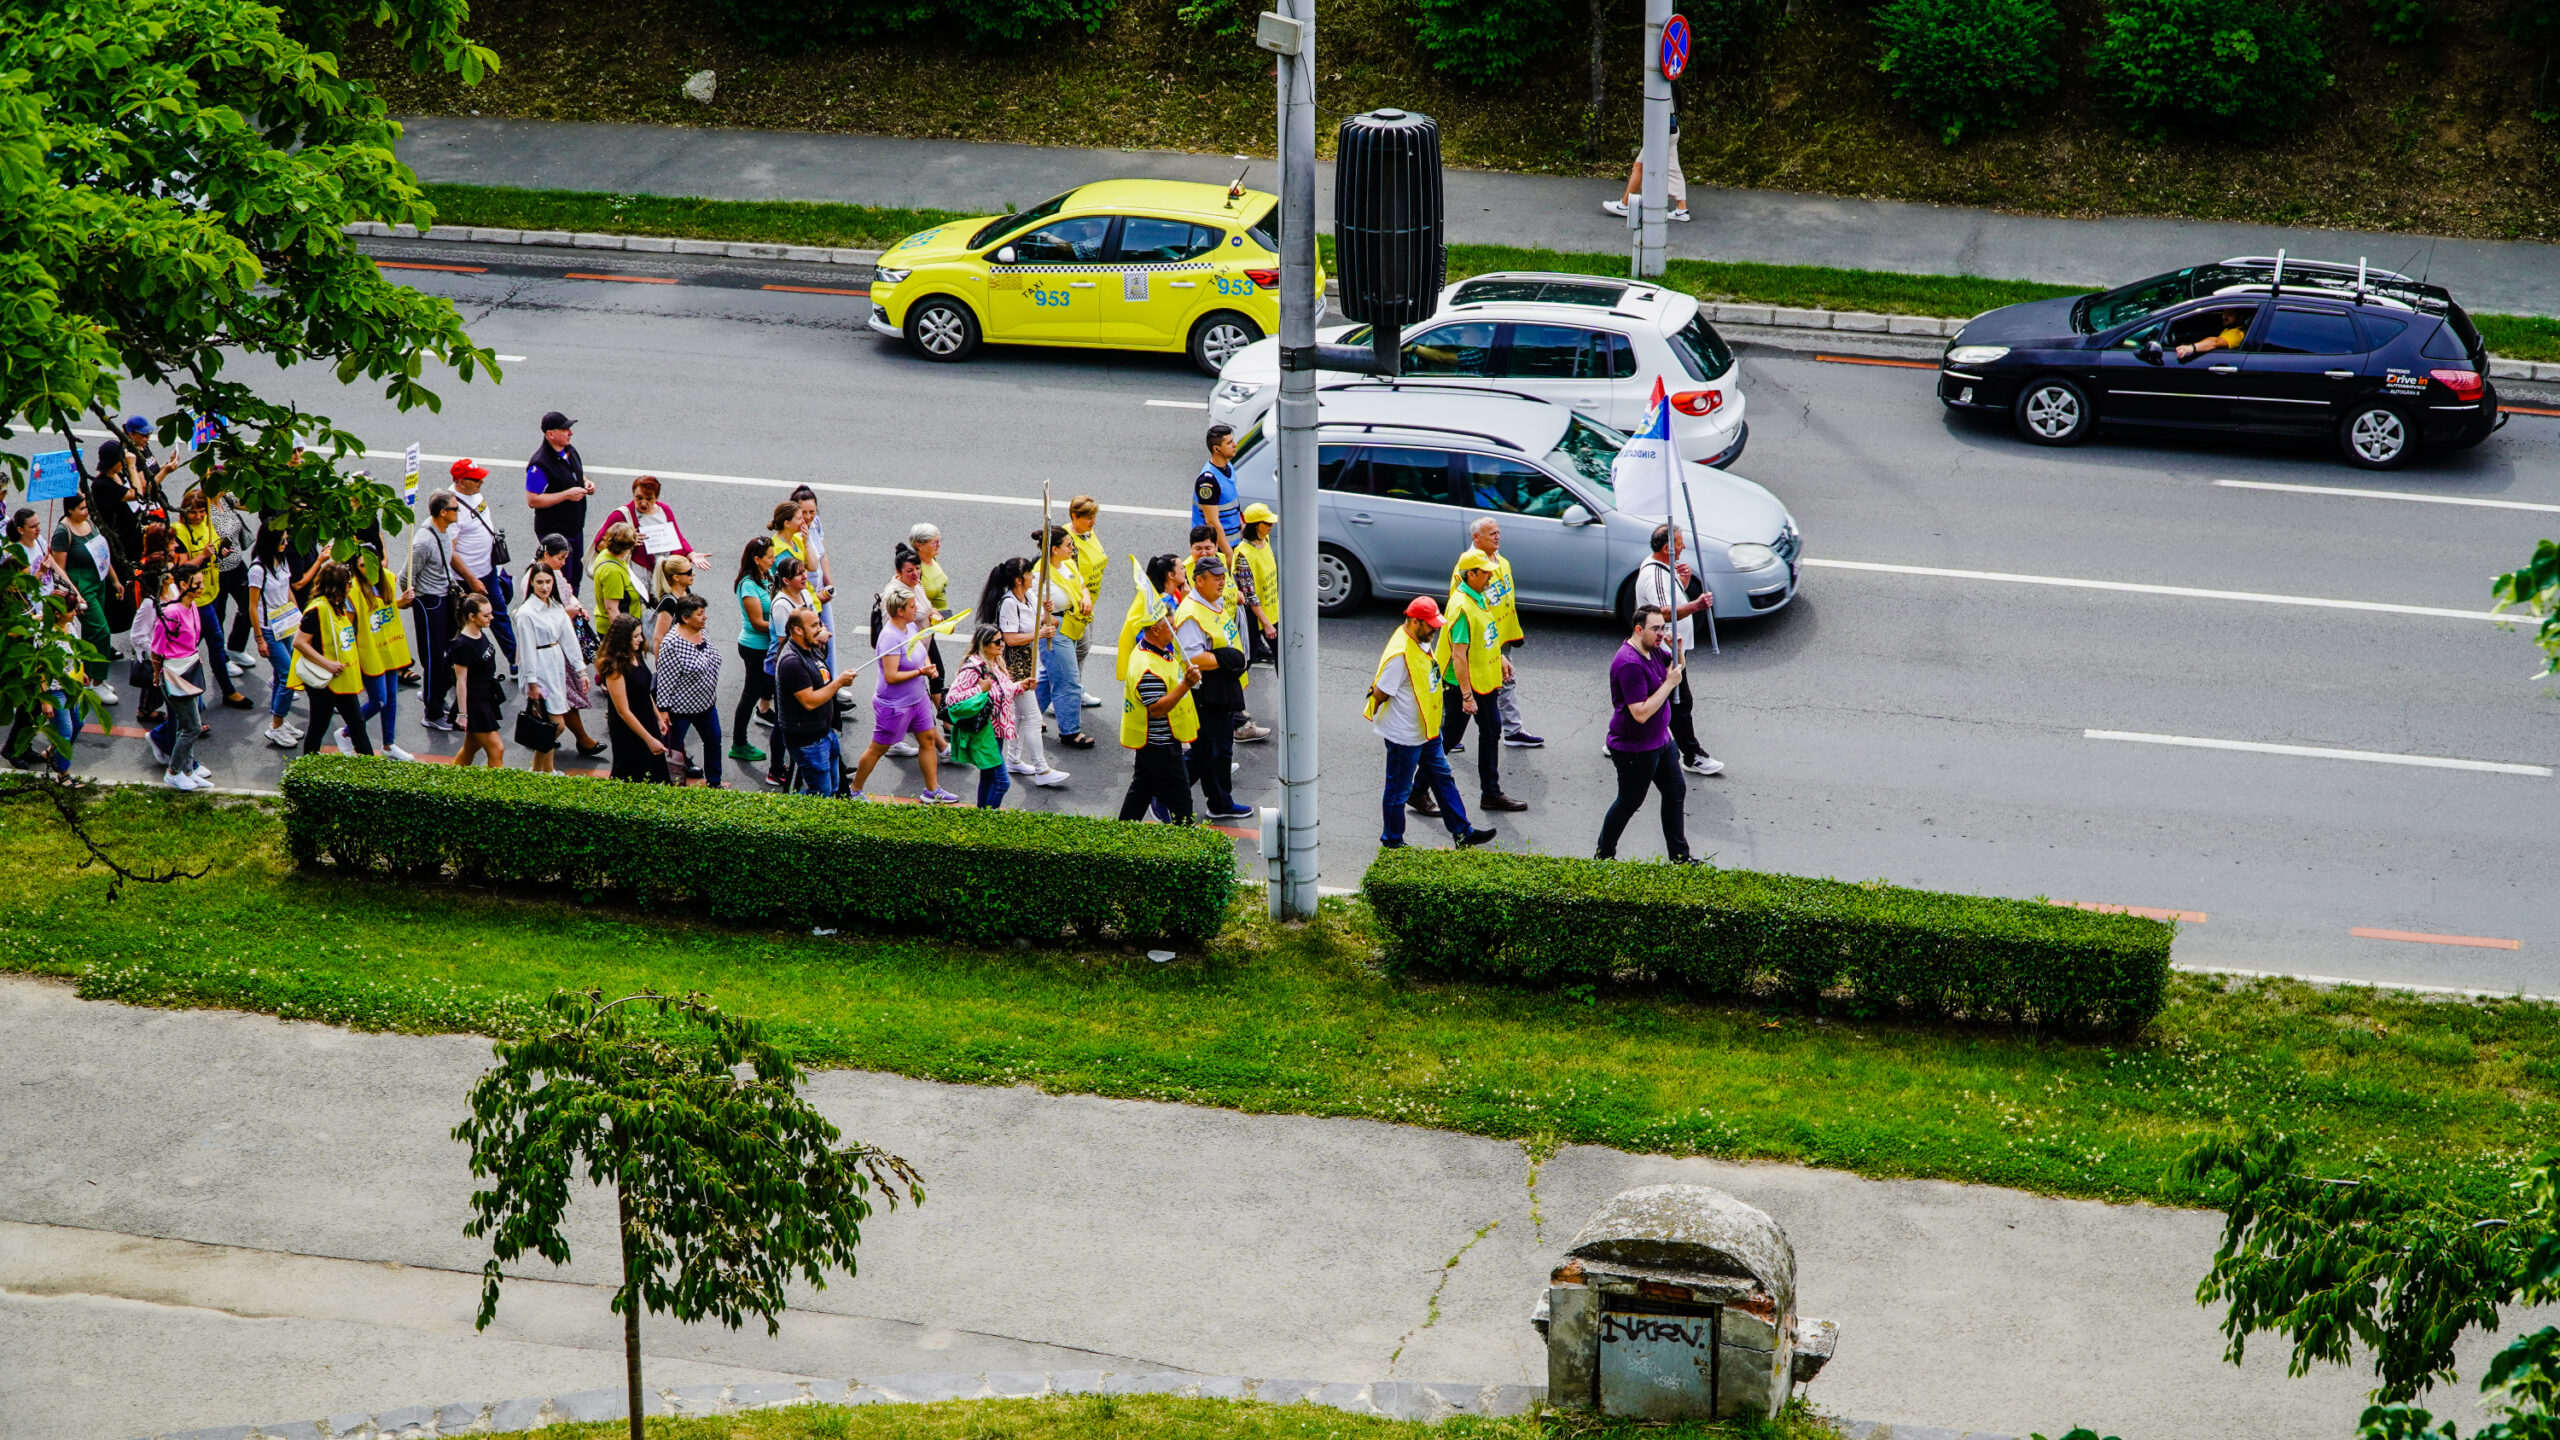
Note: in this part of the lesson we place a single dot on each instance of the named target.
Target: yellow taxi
(1115, 265)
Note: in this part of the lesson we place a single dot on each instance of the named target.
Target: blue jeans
(280, 670)
(993, 782)
(1428, 762)
(708, 724)
(382, 697)
(820, 770)
(1061, 690)
(214, 644)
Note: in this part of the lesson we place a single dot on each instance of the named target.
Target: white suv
(1586, 341)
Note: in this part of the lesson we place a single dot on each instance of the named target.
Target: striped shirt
(1159, 727)
(688, 674)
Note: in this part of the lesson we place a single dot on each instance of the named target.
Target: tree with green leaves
(175, 179)
(2536, 587)
(2380, 1264)
(726, 1182)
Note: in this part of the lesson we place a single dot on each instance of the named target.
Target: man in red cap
(1404, 708)
(476, 570)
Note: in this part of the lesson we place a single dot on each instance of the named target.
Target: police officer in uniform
(1213, 491)
(556, 486)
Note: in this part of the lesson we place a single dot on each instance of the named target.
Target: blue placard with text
(56, 477)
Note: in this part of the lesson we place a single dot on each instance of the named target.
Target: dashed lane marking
(2130, 588)
(622, 279)
(2320, 752)
(1873, 360)
(2413, 498)
(1179, 404)
(818, 289)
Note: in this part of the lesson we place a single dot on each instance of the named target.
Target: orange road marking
(421, 265)
(128, 731)
(1869, 360)
(866, 290)
(2476, 941)
(2526, 410)
(2183, 917)
(625, 279)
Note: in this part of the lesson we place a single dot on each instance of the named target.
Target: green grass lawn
(1300, 1021)
(1155, 1417)
(774, 222)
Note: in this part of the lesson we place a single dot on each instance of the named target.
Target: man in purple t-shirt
(1642, 678)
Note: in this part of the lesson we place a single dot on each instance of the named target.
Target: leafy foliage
(2536, 587)
(2402, 22)
(726, 1185)
(1734, 932)
(2336, 1264)
(793, 26)
(2245, 68)
(1968, 62)
(983, 875)
(174, 179)
(1492, 42)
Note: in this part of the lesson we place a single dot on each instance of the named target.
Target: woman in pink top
(655, 523)
(177, 630)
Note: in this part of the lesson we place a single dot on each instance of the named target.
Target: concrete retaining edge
(1860, 322)
(1428, 1401)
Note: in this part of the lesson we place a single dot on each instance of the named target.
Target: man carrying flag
(1404, 708)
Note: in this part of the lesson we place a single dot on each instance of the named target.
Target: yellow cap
(1257, 512)
(1475, 560)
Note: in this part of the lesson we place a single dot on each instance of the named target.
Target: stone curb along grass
(1426, 1401)
(1854, 322)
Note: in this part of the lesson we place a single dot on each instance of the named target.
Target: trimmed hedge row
(1920, 953)
(974, 875)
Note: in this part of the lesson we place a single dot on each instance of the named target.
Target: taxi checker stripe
(1111, 268)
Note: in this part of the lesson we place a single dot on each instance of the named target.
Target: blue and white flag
(1646, 474)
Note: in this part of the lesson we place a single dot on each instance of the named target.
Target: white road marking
(897, 491)
(1179, 404)
(2319, 752)
(510, 359)
(2414, 499)
(2182, 591)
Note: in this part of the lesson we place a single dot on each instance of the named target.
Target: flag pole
(1038, 644)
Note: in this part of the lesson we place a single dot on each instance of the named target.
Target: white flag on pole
(1646, 473)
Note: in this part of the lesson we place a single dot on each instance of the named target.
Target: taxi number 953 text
(1235, 285)
(1048, 297)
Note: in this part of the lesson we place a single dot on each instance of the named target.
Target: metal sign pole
(1296, 414)
(1655, 193)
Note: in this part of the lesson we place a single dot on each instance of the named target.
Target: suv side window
(1338, 467)
(2446, 344)
(1558, 352)
(1465, 348)
(1702, 351)
(1146, 241)
(1396, 473)
(2296, 330)
(1622, 358)
(1513, 487)
(2380, 330)
(2211, 322)
(1068, 242)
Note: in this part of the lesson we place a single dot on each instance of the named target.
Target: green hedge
(972, 875)
(1553, 919)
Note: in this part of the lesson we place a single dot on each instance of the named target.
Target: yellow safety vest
(1484, 649)
(338, 645)
(1184, 717)
(1500, 596)
(1073, 622)
(1418, 673)
(1266, 576)
(1092, 561)
(1221, 625)
(382, 642)
(200, 539)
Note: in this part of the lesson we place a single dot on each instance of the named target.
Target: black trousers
(1659, 768)
(434, 650)
(234, 597)
(1158, 778)
(1453, 730)
(1684, 729)
(1212, 759)
(326, 702)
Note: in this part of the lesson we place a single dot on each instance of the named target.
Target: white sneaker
(284, 737)
(1091, 700)
(396, 753)
(202, 773)
(338, 737)
(181, 782)
(156, 752)
(1016, 767)
(1681, 214)
(107, 695)
(1703, 765)
(904, 747)
(1614, 207)
(239, 667)
(1050, 778)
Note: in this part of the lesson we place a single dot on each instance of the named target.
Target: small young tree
(2335, 1264)
(726, 1184)
(2536, 587)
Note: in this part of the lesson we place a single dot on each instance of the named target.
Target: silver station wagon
(1405, 470)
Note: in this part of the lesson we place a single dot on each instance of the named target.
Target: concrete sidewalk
(1544, 211)
(217, 1218)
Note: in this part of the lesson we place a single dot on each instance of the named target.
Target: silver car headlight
(883, 275)
(1235, 392)
(1749, 557)
(1976, 354)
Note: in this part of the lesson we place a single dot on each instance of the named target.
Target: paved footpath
(214, 1218)
(1484, 207)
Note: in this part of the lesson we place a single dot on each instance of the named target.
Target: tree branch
(59, 792)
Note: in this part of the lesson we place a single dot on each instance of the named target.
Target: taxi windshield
(1007, 224)
(1589, 449)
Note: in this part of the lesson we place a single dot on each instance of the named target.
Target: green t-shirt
(613, 582)
(1461, 631)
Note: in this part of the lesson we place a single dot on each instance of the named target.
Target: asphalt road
(1927, 728)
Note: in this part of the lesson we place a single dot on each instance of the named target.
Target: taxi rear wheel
(1217, 338)
(942, 329)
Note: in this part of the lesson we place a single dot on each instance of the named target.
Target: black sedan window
(2300, 331)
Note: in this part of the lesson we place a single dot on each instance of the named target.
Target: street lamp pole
(1294, 896)
(1654, 197)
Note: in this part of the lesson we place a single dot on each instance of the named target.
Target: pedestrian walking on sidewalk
(278, 618)
(901, 701)
(477, 567)
(1235, 603)
(806, 703)
(689, 678)
(1157, 718)
(1472, 671)
(754, 589)
(1093, 561)
(981, 701)
(1643, 676)
(1212, 645)
(1665, 582)
(382, 642)
(1677, 191)
(631, 705)
(556, 487)
(1502, 597)
(553, 662)
(177, 619)
(1404, 710)
(431, 588)
(1061, 689)
(1258, 576)
(473, 658)
(325, 663)
(1008, 598)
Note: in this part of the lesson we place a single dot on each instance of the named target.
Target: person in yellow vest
(1504, 600)
(1161, 580)
(1061, 691)
(1093, 562)
(382, 642)
(1236, 603)
(1157, 717)
(325, 663)
(1472, 671)
(1404, 709)
(1262, 567)
(201, 544)
(1212, 638)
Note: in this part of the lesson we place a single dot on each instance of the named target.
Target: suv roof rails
(2327, 267)
(2371, 295)
(1404, 384)
(1372, 427)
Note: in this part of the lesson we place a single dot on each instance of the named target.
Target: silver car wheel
(1333, 580)
(2053, 412)
(2378, 436)
(1220, 342)
(941, 331)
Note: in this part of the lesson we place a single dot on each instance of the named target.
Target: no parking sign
(1675, 46)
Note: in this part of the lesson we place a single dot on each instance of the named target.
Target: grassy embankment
(1270, 1020)
(791, 222)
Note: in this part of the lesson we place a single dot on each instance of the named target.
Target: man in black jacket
(556, 486)
(1201, 627)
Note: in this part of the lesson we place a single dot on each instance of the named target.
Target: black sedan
(2382, 364)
